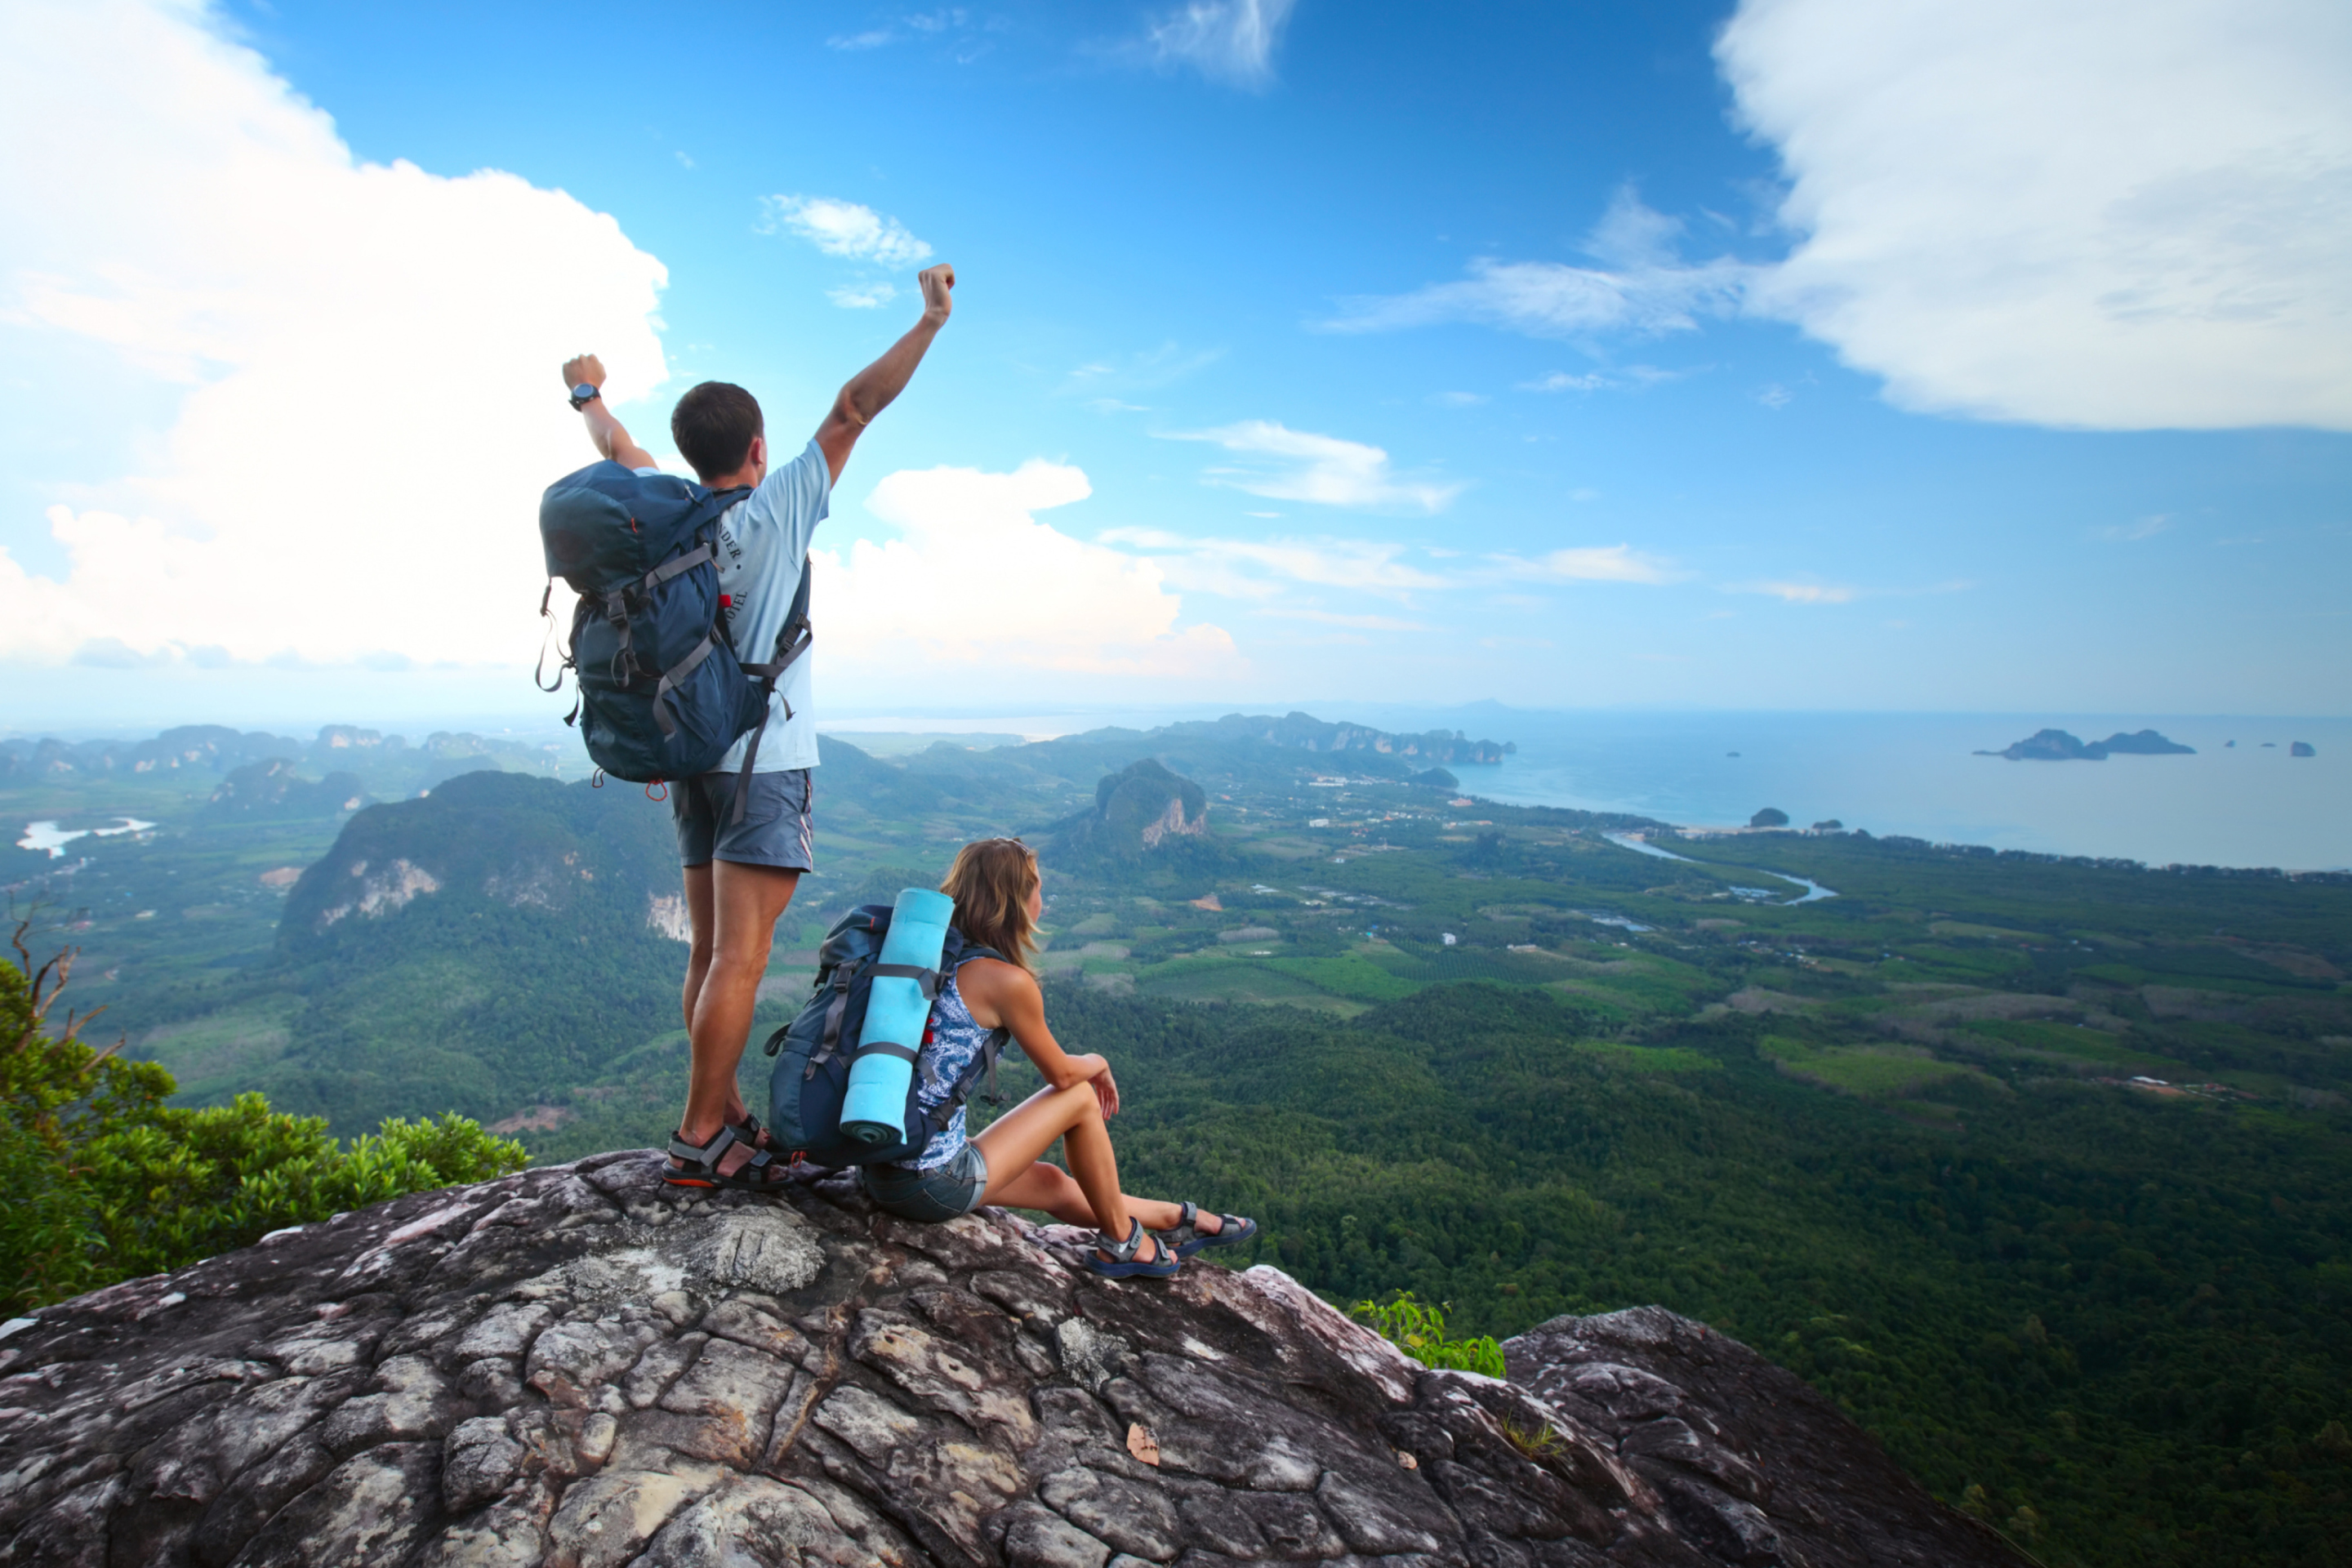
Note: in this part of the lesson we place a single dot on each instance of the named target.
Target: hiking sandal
(749, 1130)
(1123, 1264)
(699, 1166)
(1186, 1240)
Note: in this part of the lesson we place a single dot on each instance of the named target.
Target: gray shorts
(775, 829)
(930, 1197)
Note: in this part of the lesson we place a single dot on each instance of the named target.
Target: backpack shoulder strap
(958, 954)
(984, 1062)
(793, 640)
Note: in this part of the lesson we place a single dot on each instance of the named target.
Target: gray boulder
(581, 1367)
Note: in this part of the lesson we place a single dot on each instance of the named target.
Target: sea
(2240, 800)
(2251, 803)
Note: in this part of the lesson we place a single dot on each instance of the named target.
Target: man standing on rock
(740, 874)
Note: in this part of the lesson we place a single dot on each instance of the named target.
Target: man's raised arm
(604, 432)
(871, 390)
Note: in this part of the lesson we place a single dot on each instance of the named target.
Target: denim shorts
(930, 1197)
(776, 830)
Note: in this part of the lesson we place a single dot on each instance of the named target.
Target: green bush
(1420, 1332)
(108, 1181)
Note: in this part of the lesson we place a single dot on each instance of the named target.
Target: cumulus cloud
(1298, 465)
(1592, 564)
(172, 212)
(973, 578)
(1642, 286)
(1225, 40)
(2109, 214)
(846, 230)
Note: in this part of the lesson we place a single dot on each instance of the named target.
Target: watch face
(583, 392)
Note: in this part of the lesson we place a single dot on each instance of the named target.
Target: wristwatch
(584, 393)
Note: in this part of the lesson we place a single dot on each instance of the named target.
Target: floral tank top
(950, 1046)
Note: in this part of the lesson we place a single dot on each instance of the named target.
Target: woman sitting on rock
(999, 899)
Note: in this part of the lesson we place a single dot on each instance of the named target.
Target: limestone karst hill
(579, 1366)
(1141, 809)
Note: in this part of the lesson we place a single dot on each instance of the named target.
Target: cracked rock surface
(580, 1366)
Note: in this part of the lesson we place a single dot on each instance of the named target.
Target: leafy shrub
(1420, 1331)
(108, 1181)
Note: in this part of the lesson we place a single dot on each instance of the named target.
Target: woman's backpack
(662, 692)
(813, 1052)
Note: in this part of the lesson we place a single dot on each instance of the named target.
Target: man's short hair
(713, 426)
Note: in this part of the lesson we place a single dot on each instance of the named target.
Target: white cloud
(1358, 623)
(1457, 399)
(1561, 381)
(1226, 40)
(368, 354)
(1592, 563)
(1259, 569)
(847, 229)
(2142, 528)
(1643, 286)
(862, 296)
(872, 38)
(1320, 468)
(1144, 371)
(974, 579)
(2111, 213)
(1799, 593)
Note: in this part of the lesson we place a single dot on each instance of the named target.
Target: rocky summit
(580, 1366)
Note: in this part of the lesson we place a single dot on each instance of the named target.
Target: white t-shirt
(762, 540)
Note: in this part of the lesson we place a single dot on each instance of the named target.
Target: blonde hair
(991, 882)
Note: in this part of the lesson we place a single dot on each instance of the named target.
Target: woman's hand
(1105, 1090)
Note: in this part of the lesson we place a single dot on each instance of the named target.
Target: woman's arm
(1006, 996)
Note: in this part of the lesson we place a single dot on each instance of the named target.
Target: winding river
(1812, 889)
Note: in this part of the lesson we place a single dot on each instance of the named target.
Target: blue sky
(1790, 355)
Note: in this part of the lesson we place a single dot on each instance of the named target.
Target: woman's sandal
(1124, 1265)
(1187, 1239)
(698, 1167)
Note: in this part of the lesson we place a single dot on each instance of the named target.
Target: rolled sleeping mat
(905, 978)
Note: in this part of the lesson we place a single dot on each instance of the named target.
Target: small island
(2058, 746)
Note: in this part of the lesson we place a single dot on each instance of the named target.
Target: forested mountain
(481, 948)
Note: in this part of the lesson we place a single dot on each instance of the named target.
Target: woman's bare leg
(1089, 1193)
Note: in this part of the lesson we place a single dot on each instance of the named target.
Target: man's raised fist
(936, 282)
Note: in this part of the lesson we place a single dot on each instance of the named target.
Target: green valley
(2042, 1167)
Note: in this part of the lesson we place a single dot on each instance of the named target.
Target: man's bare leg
(733, 908)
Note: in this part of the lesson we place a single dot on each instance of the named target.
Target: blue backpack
(813, 1051)
(662, 692)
